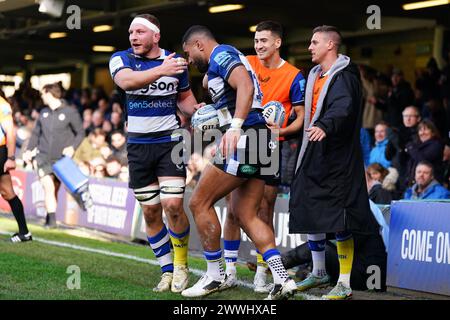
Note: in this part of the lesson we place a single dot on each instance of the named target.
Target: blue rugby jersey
(151, 110)
(223, 60)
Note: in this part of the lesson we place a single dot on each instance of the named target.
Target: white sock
(215, 267)
(279, 272)
(318, 254)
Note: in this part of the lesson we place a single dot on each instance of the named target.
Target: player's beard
(144, 49)
(201, 65)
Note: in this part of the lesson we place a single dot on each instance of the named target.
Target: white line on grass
(197, 272)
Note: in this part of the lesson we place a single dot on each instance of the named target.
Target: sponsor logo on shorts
(247, 169)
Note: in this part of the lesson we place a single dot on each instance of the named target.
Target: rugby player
(279, 81)
(237, 97)
(156, 83)
(8, 163)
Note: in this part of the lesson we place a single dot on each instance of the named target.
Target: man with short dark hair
(328, 193)
(236, 94)
(426, 187)
(119, 146)
(279, 81)
(58, 131)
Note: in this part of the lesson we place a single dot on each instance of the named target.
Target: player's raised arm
(129, 79)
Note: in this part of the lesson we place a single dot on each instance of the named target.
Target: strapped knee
(172, 188)
(148, 195)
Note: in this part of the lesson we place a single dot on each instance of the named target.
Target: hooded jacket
(433, 192)
(328, 192)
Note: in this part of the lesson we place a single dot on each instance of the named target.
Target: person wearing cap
(156, 85)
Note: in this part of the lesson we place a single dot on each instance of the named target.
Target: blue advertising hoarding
(419, 246)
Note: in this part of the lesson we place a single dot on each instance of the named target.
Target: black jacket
(328, 192)
(431, 150)
(379, 195)
(401, 97)
(55, 130)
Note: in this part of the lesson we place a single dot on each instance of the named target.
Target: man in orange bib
(280, 81)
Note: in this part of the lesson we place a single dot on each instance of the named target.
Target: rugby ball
(273, 112)
(205, 118)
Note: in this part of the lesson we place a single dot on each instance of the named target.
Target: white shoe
(180, 278)
(260, 283)
(204, 286)
(164, 283)
(230, 282)
(282, 291)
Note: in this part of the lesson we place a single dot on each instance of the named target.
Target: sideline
(109, 253)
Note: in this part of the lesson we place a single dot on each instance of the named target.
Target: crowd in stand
(407, 155)
(102, 153)
(405, 135)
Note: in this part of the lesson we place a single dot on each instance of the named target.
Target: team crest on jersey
(62, 117)
(45, 114)
(223, 58)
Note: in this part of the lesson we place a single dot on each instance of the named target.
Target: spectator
(98, 167)
(117, 107)
(399, 96)
(381, 183)
(103, 106)
(85, 100)
(87, 120)
(378, 152)
(371, 115)
(113, 167)
(395, 150)
(429, 147)
(90, 147)
(107, 127)
(116, 121)
(24, 125)
(97, 121)
(426, 187)
(434, 110)
(119, 147)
